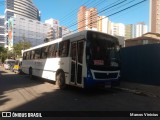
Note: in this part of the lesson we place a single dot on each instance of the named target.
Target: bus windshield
(103, 53)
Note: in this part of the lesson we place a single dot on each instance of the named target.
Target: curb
(138, 92)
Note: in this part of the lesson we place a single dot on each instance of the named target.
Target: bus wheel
(60, 80)
(30, 73)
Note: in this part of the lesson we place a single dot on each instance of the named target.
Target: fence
(141, 64)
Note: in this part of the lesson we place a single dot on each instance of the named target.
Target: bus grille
(105, 75)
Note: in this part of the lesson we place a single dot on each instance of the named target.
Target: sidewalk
(138, 88)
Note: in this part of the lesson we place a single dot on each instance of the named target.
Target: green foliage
(16, 52)
(3, 54)
(18, 47)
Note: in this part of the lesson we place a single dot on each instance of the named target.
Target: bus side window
(24, 56)
(56, 52)
(52, 51)
(73, 51)
(64, 48)
(44, 52)
(28, 55)
(37, 53)
(32, 54)
(49, 51)
(80, 51)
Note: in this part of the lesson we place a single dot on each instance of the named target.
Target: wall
(141, 64)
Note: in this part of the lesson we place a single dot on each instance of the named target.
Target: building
(118, 29)
(51, 34)
(129, 31)
(103, 24)
(139, 29)
(2, 34)
(25, 8)
(154, 16)
(82, 18)
(24, 29)
(55, 25)
(87, 18)
(63, 31)
(91, 19)
(148, 38)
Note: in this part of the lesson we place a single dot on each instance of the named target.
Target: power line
(89, 2)
(75, 10)
(95, 4)
(99, 12)
(114, 13)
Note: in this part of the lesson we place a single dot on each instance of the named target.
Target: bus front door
(76, 62)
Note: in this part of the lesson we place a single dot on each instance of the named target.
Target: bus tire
(30, 73)
(60, 79)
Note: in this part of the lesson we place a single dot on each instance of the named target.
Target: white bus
(82, 59)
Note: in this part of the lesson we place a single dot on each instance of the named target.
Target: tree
(3, 54)
(18, 47)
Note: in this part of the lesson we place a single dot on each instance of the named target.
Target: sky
(66, 10)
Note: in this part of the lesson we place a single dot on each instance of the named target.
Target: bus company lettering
(38, 63)
(14, 114)
(34, 115)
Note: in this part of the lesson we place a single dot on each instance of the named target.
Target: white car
(8, 63)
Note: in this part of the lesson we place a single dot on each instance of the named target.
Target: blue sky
(66, 10)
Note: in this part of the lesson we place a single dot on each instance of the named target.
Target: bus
(83, 59)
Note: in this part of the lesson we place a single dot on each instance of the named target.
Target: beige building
(148, 38)
(155, 16)
(128, 31)
(87, 18)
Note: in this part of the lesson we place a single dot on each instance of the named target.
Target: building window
(145, 42)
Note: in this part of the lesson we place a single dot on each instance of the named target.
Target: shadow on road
(10, 81)
(73, 99)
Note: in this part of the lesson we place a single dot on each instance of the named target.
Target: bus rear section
(102, 60)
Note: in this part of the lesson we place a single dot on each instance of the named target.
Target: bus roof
(81, 34)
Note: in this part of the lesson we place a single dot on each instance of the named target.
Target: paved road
(19, 93)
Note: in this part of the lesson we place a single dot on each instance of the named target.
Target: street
(19, 93)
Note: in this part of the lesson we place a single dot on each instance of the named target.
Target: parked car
(8, 63)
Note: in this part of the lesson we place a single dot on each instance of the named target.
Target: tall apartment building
(128, 31)
(63, 31)
(55, 25)
(82, 18)
(87, 18)
(139, 29)
(118, 29)
(155, 16)
(103, 24)
(24, 29)
(2, 31)
(24, 8)
(51, 34)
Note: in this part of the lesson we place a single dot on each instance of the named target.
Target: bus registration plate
(98, 62)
